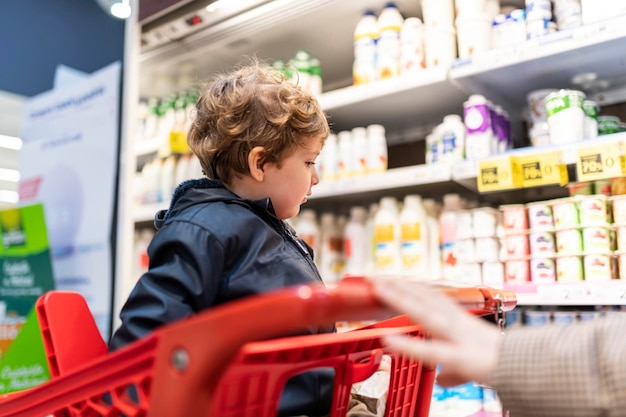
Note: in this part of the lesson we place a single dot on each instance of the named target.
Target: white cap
(358, 213)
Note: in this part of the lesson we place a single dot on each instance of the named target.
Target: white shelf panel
(507, 75)
(393, 178)
(147, 146)
(583, 293)
(398, 103)
(145, 213)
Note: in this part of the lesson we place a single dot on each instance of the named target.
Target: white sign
(68, 162)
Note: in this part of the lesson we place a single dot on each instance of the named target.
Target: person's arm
(564, 370)
(575, 370)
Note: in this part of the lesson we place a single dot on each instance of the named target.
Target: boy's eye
(310, 163)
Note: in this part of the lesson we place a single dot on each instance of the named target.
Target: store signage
(25, 262)
(497, 174)
(600, 162)
(512, 172)
(178, 142)
(542, 169)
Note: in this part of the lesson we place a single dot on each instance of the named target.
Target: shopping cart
(176, 372)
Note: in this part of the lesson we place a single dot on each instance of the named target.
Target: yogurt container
(621, 264)
(493, 274)
(487, 249)
(514, 219)
(592, 209)
(591, 109)
(569, 241)
(541, 243)
(542, 270)
(569, 268)
(466, 251)
(620, 236)
(485, 221)
(597, 267)
(608, 125)
(464, 228)
(596, 239)
(618, 204)
(566, 116)
(565, 213)
(537, 106)
(517, 271)
(516, 246)
(580, 188)
(540, 216)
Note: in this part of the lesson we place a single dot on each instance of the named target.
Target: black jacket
(212, 247)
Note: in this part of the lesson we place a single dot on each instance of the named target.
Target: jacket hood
(204, 190)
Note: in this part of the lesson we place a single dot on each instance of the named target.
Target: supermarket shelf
(398, 103)
(393, 178)
(507, 75)
(147, 146)
(145, 213)
(571, 294)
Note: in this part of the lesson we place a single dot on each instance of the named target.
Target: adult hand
(465, 346)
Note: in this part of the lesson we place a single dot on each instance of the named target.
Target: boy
(257, 138)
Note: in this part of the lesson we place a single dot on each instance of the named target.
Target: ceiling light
(117, 8)
(10, 142)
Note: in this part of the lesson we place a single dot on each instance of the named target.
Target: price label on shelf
(498, 174)
(178, 142)
(600, 162)
(541, 169)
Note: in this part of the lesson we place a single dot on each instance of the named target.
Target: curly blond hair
(252, 106)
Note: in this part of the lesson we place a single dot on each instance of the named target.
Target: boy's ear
(256, 160)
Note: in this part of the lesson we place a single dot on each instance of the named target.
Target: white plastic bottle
(167, 178)
(365, 34)
(308, 230)
(359, 151)
(371, 239)
(330, 159)
(414, 239)
(315, 77)
(344, 146)
(434, 239)
(182, 169)
(448, 226)
(387, 255)
(376, 149)
(412, 46)
(478, 124)
(330, 250)
(389, 24)
(195, 169)
(453, 138)
(355, 242)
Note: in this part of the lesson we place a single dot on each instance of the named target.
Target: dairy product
(365, 34)
(414, 239)
(389, 25)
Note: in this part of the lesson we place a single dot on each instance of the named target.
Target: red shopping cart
(173, 372)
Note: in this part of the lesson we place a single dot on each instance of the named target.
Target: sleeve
(574, 371)
(186, 265)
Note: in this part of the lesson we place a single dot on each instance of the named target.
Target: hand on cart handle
(465, 346)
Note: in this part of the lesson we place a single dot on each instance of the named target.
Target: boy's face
(289, 185)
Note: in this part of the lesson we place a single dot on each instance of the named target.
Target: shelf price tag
(178, 142)
(600, 162)
(541, 169)
(497, 174)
